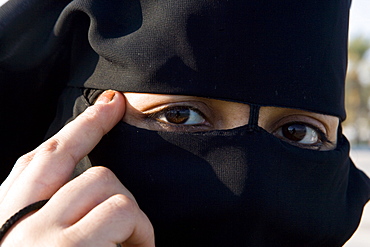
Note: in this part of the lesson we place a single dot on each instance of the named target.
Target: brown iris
(177, 115)
(294, 132)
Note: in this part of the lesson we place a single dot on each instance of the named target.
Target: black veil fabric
(295, 51)
(241, 184)
(32, 75)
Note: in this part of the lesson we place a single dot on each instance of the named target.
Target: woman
(230, 131)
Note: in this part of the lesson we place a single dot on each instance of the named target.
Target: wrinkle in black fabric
(245, 184)
(219, 49)
(240, 187)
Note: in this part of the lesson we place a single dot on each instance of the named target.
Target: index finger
(55, 159)
(81, 135)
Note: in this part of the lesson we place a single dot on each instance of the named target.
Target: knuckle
(100, 173)
(106, 178)
(54, 146)
(50, 146)
(102, 176)
(25, 159)
(124, 204)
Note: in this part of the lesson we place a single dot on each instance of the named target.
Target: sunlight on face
(161, 112)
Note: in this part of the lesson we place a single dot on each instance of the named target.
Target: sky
(359, 20)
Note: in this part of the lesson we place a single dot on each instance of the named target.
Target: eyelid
(319, 127)
(198, 106)
(151, 116)
(323, 137)
(161, 111)
(312, 122)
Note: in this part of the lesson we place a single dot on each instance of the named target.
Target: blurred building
(357, 125)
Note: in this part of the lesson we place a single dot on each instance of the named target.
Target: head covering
(239, 187)
(295, 51)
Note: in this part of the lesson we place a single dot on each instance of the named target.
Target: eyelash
(154, 117)
(158, 113)
(322, 137)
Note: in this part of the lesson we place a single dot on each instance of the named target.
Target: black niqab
(239, 187)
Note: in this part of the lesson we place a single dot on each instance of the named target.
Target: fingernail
(105, 97)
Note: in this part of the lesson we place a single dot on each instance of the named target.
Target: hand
(94, 209)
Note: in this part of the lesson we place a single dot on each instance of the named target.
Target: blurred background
(357, 125)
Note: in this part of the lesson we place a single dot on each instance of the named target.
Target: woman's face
(161, 112)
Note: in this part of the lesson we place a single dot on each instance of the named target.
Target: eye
(179, 115)
(302, 134)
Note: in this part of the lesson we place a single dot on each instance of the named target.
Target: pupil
(294, 132)
(177, 115)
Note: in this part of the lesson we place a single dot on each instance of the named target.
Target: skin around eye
(301, 128)
(160, 112)
(176, 116)
(179, 115)
(303, 135)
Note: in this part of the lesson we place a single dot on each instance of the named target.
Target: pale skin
(95, 209)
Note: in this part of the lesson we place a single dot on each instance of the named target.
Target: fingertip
(119, 102)
(109, 96)
(105, 97)
(111, 102)
(118, 97)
